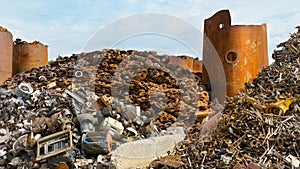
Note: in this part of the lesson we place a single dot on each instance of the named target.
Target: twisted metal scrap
(246, 133)
(52, 81)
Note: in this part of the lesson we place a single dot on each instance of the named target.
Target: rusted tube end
(242, 50)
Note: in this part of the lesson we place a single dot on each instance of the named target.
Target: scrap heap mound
(63, 74)
(48, 103)
(258, 128)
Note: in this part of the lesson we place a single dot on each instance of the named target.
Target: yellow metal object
(201, 115)
(32, 139)
(280, 107)
(254, 103)
(105, 101)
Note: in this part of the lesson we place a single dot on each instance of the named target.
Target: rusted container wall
(17, 58)
(187, 62)
(6, 50)
(28, 56)
(197, 66)
(242, 50)
(177, 61)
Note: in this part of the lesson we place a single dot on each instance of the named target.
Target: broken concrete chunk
(141, 152)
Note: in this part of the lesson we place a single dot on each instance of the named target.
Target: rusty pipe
(242, 50)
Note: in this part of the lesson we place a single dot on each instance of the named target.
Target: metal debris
(48, 122)
(260, 127)
(54, 124)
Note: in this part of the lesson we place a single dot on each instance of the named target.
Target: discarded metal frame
(53, 144)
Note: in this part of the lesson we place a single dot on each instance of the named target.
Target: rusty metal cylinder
(189, 63)
(6, 50)
(242, 50)
(28, 55)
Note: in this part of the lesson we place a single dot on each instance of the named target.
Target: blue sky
(66, 26)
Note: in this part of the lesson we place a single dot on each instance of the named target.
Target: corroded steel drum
(6, 49)
(189, 63)
(28, 55)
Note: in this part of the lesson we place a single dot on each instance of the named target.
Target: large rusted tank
(242, 51)
(28, 55)
(6, 50)
(189, 63)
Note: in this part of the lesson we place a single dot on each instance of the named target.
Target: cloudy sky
(67, 26)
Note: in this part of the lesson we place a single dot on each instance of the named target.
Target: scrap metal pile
(51, 118)
(260, 127)
(59, 116)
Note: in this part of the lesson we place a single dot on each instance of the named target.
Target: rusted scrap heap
(47, 112)
(260, 127)
(66, 73)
